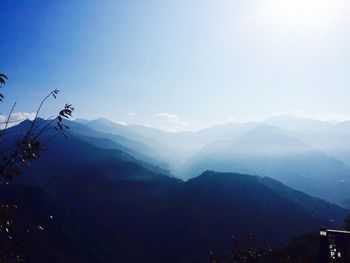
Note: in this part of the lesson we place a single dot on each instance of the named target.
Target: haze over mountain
(134, 200)
(334, 140)
(175, 131)
(305, 154)
(272, 152)
(124, 202)
(293, 123)
(183, 145)
(300, 158)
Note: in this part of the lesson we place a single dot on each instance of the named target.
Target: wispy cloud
(168, 117)
(16, 118)
(172, 123)
(122, 123)
(131, 114)
(295, 113)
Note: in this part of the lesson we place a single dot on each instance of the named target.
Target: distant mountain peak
(103, 120)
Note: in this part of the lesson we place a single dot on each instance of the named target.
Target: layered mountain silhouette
(112, 206)
(269, 151)
(335, 140)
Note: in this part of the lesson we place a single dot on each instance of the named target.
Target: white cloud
(168, 117)
(122, 123)
(16, 118)
(173, 123)
(131, 114)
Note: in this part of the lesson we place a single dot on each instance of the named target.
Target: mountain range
(312, 155)
(114, 201)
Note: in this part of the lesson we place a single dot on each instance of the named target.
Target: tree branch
(7, 121)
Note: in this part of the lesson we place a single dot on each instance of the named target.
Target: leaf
(3, 76)
(2, 79)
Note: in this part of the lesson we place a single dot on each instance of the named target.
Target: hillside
(272, 152)
(121, 209)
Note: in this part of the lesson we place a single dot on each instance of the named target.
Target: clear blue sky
(179, 64)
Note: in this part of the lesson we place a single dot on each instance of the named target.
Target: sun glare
(304, 14)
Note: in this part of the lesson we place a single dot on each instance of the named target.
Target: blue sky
(178, 65)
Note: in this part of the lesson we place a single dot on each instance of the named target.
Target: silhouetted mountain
(185, 144)
(46, 230)
(268, 151)
(114, 208)
(138, 141)
(138, 219)
(177, 147)
(107, 126)
(88, 184)
(182, 145)
(143, 153)
(67, 158)
(218, 208)
(127, 141)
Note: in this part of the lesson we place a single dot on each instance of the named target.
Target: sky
(178, 65)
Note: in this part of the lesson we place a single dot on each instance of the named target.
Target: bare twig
(7, 121)
(43, 129)
(12, 121)
(38, 110)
